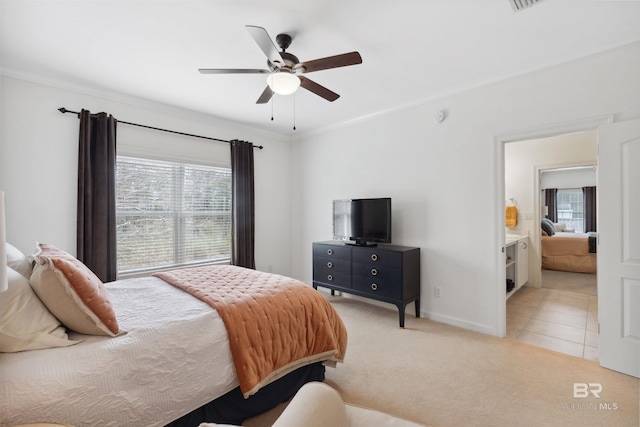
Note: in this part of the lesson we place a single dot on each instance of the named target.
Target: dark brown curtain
(550, 201)
(589, 199)
(243, 209)
(96, 234)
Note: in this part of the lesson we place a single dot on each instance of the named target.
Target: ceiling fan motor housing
(290, 61)
(284, 41)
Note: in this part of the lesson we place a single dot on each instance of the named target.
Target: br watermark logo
(583, 390)
(591, 392)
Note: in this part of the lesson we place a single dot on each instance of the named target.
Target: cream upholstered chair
(318, 405)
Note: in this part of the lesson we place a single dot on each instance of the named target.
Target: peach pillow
(72, 292)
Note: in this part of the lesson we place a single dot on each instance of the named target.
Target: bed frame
(573, 252)
(233, 408)
(171, 357)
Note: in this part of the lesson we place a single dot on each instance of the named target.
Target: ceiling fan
(284, 73)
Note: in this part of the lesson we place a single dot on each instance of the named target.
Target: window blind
(570, 208)
(171, 214)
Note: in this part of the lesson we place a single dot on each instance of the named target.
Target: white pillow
(18, 261)
(560, 227)
(25, 322)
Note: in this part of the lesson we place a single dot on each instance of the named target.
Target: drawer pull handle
(374, 272)
(374, 287)
(374, 257)
(330, 264)
(329, 277)
(329, 251)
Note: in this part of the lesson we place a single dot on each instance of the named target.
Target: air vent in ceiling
(519, 5)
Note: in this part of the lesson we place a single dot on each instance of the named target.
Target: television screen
(362, 220)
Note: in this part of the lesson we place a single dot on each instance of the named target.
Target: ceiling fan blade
(351, 58)
(232, 71)
(265, 43)
(266, 96)
(319, 90)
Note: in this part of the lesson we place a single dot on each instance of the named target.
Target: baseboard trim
(464, 324)
(453, 321)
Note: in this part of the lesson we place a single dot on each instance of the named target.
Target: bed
(569, 251)
(170, 360)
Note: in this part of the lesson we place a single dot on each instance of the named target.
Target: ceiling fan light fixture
(283, 82)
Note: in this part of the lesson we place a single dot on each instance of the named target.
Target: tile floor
(558, 320)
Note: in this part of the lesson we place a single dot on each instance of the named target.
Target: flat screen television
(363, 222)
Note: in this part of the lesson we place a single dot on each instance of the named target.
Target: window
(570, 206)
(171, 214)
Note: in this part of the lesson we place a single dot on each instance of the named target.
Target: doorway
(555, 309)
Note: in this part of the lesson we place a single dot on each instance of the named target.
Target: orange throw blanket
(275, 324)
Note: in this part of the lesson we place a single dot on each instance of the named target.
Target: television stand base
(362, 244)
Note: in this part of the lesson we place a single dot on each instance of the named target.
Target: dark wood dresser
(385, 273)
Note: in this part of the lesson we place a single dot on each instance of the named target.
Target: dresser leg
(401, 314)
(417, 307)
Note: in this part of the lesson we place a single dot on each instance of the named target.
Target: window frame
(571, 224)
(178, 214)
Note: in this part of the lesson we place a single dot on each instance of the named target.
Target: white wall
(38, 164)
(444, 178)
(570, 178)
(523, 161)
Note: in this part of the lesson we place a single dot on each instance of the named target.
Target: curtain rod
(64, 110)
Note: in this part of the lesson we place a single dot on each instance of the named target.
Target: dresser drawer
(376, 256)
(386, 288)
(332, 271)
(332, 251)
(379, 271)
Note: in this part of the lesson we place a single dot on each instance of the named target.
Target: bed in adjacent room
(567, 250)
(161, 356)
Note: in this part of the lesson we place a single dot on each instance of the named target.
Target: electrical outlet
(437, 292)
(528, 216)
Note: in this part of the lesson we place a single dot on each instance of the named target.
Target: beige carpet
(443, 376)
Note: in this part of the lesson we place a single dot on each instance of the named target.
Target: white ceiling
(412, 50)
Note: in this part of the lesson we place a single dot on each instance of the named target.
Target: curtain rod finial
(62, 110)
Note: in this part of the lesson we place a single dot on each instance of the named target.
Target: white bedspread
(174, 358)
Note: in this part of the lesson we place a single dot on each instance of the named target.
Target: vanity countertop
(512, 238)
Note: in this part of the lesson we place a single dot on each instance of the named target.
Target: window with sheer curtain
(171, 214)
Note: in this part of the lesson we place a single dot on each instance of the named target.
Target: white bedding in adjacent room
(125, 380)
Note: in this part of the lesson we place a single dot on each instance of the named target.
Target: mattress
(174, 358)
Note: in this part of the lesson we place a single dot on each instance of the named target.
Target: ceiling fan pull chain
(294, 111)
(271, 108)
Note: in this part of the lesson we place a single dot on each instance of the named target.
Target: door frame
(537, 208)
(542, 131)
